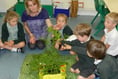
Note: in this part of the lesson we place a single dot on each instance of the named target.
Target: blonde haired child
(12, 36)
(111, 33)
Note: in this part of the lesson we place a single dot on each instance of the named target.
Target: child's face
(61, 21)
(82, 38)
(109, 24)
(33, 7)
(13, 22)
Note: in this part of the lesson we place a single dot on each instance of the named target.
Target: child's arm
(103, 38)
(107, 45)
(61, 45)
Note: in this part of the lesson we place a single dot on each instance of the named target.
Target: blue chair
(102, 11)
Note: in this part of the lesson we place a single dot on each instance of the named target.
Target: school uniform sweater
(67, 31)
(108, 68)
(20, 33)
(85, 63)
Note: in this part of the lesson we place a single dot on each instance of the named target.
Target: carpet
(29, 69)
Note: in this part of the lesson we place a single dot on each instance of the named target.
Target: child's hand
(11, 43)
(57, 27)
(66, 46)
(52, 35)
(72, 53)
(103, 38)
(6, 43)
(57, 44)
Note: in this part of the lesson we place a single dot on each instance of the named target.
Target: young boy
(12, 35)
(107, 66)
(111, 34)
(62, 27)
(85, 65)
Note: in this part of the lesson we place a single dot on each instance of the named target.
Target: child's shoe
(20, 50)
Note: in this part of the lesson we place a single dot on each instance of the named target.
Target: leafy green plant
(30, 68)
(49, 61)
(53, 36)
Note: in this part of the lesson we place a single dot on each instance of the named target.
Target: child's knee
(75, 70)
(23, 44)
(1, 44)
(72, 70)
(72, 53)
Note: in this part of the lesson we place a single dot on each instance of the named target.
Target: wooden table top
(112, 5)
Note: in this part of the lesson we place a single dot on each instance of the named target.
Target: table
(112, 5)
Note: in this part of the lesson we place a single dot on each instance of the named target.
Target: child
(85, 65)
(62, 26)
(107, 66)
(111, 34)
(13, 36)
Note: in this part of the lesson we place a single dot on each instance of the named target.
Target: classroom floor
(11, 62)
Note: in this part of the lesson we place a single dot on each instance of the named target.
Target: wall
(88, 4)
(6, 4)
(86, 7)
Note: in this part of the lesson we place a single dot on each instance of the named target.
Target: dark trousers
(39, 44)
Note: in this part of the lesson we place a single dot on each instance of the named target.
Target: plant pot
(61, 75)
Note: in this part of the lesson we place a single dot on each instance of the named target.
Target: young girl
(62, 27)
(35, 20)
(13, 36)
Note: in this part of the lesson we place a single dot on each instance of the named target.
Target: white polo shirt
(112, 40)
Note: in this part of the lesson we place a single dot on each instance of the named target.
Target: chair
(19, 8)
(102, 11)
(117, 27)
(100, 8)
